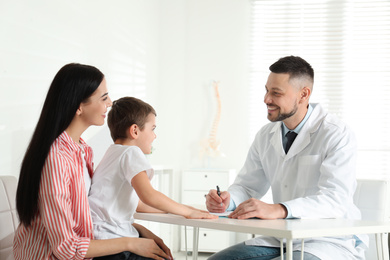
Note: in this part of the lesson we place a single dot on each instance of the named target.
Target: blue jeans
(244, 252)
(122, 256)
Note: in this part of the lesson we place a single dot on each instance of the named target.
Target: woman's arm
(146, 233)
(158, 200)
(140, 246)
(56, 212)
(64, 242)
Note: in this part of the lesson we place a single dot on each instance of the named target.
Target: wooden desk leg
(289, 249)
(195, 244)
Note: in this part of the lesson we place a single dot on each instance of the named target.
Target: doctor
(315, 178)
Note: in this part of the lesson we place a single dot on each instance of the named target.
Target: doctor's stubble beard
(283, 116)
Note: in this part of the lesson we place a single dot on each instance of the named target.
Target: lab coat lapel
(311, 126)
(276, 139)
(303, 139)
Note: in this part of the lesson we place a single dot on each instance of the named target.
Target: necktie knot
(291, 135)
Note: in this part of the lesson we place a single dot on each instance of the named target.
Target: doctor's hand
(217, 204)
(254, 208)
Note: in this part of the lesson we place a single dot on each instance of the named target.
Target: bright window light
(348, 45)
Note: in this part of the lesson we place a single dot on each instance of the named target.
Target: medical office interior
(202, 64)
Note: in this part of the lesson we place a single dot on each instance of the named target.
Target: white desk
(281, 228)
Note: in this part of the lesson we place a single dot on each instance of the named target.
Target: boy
(123, 175)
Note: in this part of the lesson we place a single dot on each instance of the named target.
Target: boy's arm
(154, 198)
(144, 208)
(158, 200)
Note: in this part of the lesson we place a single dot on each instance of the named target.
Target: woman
(51, 199)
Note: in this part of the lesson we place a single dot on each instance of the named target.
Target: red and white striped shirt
(63, 228)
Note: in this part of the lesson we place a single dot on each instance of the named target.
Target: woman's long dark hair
(73, 84)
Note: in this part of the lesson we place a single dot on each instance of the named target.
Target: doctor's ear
(133, 131)
(305, 94)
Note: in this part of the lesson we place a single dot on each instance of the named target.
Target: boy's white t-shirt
(112, 199)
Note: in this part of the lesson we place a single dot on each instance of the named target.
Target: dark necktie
(290, 139)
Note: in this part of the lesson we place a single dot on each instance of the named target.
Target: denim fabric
(297, 256)
(122, 256)
(244, 252)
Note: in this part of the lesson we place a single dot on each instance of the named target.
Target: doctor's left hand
(254, 208)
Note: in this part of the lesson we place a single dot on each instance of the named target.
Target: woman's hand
(146, 233)
(147, 247)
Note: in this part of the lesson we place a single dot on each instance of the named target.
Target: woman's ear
(79, 110)
(133, 131)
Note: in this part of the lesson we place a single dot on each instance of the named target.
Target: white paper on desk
(223, 214)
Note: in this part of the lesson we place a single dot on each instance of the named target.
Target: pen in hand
(219, 193)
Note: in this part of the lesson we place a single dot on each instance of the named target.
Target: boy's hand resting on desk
(215, 203)
(254, 208)
(188, 206)
(198, 213)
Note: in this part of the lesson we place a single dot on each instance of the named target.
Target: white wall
(166, 52)
(39, 37)
(202, 41)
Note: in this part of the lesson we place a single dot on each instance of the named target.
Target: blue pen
(219, 194)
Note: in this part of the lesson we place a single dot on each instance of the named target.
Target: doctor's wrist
(283, 211)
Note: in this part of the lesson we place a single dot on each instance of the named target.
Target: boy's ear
(133, 131)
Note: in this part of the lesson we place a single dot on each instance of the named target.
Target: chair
(8, 218)
(372, 197)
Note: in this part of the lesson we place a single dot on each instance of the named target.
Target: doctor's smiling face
(284, 99)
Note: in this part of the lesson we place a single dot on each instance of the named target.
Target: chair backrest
(372, 197)
(8, 218)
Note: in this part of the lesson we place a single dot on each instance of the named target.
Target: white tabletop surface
(282, 228)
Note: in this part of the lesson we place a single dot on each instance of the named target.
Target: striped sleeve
(57, 199)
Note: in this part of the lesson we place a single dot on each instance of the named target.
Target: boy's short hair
(124, 113)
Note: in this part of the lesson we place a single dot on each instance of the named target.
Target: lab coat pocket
(309, 172)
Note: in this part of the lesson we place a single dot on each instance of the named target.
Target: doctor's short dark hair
(124, 113)
(295, 66)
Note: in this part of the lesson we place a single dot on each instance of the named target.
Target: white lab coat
(315, 179)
